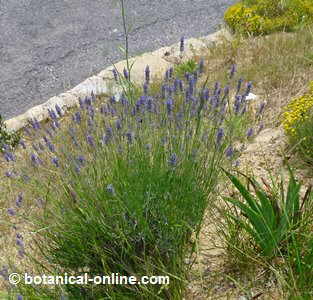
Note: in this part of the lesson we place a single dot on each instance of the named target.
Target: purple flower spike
(126, 75)
(55, 161)
(19, 240)
(59, 110)
(93, 96)
(19, 200)
(11, 212)
(8, 174)
(90, 140)
(118, 124)
(169, 105)
(229, 152)
(9, 156)
(147, 74)
(181, 87)
(173, 160)
(261, 108)
(77, 117)
(249, 87)
(167, 75)
(19, 297)
(52, 114)
(21, 253)
(226, 91)
(35, 159)
(232, 71)
(22, 143)
(250, 132)
(115, 75)
(182, 46)
(239, 85)
(129, 136)
(81, 103)
(219, 135)
(176, 85)
(81, 159)
(170, 72)
(88, 102)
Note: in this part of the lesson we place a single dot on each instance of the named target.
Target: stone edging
(104, 82)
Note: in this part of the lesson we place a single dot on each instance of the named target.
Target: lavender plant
(125, 187)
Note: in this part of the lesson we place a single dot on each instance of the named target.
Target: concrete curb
(159, 61)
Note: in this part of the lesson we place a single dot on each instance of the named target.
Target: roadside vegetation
(128, 184)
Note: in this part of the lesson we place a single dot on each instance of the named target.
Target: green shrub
(125, 188)
(267, 16)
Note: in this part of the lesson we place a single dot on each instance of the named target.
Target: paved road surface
(49, 46)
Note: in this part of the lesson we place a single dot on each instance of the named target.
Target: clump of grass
(124, 188)
(271, 228)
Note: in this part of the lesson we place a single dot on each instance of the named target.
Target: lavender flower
(170, 72)
(35, 160)
(90, 140)
(21, 252)
(52, 114)
(239, 85)
(81, 159)
(181, 85)
(110, 189)
(22, 143)
(129, 136)
(77, 117)
(112, 99)
(4, 273)
(118, 124)
(260, 128)
(19, 240)
(115, 75)
(173, 160)
(167, 75)
(93, 96)
(9, 156)
(169, 105)
(81, 103)
(58, 109)
(19, 297)
(226, 91)
(249, 87)
(181, 48)
(11, 212)
(261, 108)
(8, 174)
(232, 71)
(19, 200)
(126, 75)
(147, 74)
(88, 102)
(176, 85)
(250, 132)
(229, 152)
(219, 135)
(55, 161)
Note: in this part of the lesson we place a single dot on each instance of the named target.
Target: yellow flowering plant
(256, 17)
(298, 124)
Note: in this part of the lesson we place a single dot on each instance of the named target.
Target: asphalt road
(49, 46)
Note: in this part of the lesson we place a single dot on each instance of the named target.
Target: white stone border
(104, 82)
